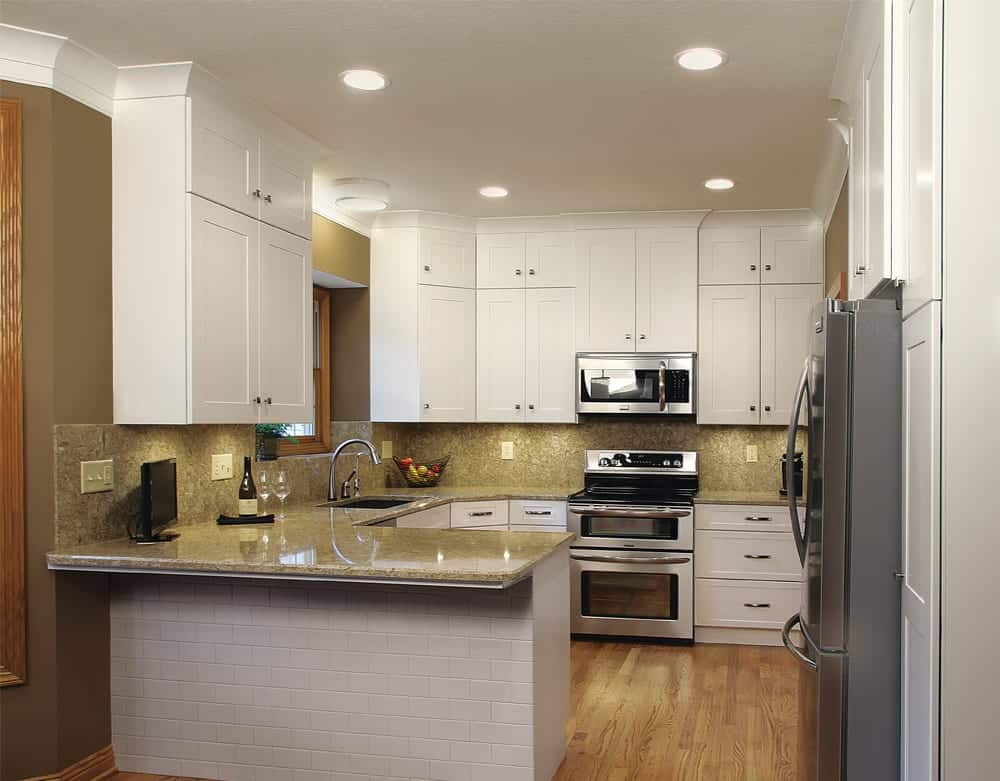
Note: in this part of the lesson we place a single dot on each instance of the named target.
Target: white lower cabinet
(526, 513)
(434, 518)
(468, 515)
(746, 555)
(737, 604)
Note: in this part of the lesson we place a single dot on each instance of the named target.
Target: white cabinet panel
(447, 345)
(434, 518)
(286, 334)
(479, 514)
(286, 189)
(500, 260)
(550, 355)
(729, 354)
(500, 355)
(742, 517)
(786, 311)
(223, 293)
(447, 258)
(605, 290)
(666, 290)
(224, 157)
(527, 512)
(744, 555)
(792, 254)
(921, 542)
(744, 604)
(550, 259)
(877, 253)
(729, 256)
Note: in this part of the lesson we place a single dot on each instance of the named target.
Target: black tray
(228, 520)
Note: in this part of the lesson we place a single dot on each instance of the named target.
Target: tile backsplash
(545, 456)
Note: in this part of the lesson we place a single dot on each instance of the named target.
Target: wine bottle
(248, 491)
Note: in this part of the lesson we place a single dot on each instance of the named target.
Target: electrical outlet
(751, 454)
(97, 476)
(222, 466)
(386, 448)
(507, 451)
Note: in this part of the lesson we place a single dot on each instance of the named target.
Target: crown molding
(54, 61)
(767, 218)
(342, 218)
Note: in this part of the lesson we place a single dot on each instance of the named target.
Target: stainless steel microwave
(636, 383)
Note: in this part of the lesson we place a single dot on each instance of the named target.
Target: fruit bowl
(421, 474)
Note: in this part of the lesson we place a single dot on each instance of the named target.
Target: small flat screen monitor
(159, 497)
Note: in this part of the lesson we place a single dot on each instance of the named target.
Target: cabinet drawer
(483, 528)
(747, 604)
(746, 555)
(465, 514)
(435, 518)
(742, 517)
(524, 512)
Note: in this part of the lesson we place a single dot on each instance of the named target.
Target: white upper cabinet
(447, 346)
(500, 355)
(666, 290)
(729, 354)
(786, 312)
(550, 356)
(792, 254)
(447, 258)
(550, 259)
(286, 355)
(500, 260)
(729, 256)
(606, 290)
(225, 156)
(286, 189)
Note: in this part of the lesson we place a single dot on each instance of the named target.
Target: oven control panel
(642, 461)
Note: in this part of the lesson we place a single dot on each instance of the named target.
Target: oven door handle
(602, 512)
(630, 559)
(662, 377)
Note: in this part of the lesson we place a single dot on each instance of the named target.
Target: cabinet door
(286, 189)
(605, 290)
(500, 355)
(729, 354)
(500, 260)
(224, 163)
(786, 317)
(551, 259)
(792, 254)
(921, 542)
(857, 177)
(729, 256)
(550, 356)
(447, 258)
(666, 290)
(917, 102)
(223, 334)
(286, 332)
(877, 255)
(446, 333)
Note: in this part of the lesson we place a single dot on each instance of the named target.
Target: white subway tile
(517, 672)
(407, 768)
(430, 707)
(424, 748)
(471, 752)
(490, 648)
(512, 755)
(445, 729)
(511, 713)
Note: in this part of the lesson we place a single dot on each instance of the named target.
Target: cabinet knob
(531, 272)
(517, 406)
(753, 407)
(268, 197)
(517, 272)
(427, 406)
(628, 337)
(531, 406)
(642, 337)
(256, 400)
(767, 408)
(256, 193)
(753, 266)
(267, 400)
(767, 267)
(427, 268)
(859, 271)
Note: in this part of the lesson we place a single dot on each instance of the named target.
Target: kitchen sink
(372, 502)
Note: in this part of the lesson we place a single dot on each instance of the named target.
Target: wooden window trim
(13, 662)
(322, 441)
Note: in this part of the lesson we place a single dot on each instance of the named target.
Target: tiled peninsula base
(256, 680)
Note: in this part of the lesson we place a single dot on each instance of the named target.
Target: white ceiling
(575, 105)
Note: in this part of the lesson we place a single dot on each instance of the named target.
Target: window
(305, 438)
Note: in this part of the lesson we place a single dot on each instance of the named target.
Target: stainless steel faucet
(332, 490)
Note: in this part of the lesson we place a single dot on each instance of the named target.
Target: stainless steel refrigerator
(848, 540)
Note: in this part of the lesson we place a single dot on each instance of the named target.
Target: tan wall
(62, 713)
(340, 251)
(837, 238)
(350, 345)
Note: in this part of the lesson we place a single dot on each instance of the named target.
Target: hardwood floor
(645, 712)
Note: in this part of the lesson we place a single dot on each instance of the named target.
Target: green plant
(271, 430)
(268, 435)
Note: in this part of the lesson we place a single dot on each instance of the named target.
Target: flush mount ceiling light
(720, 184)
(364, 79)
(700, 58)
(494, 191)
(361, 195)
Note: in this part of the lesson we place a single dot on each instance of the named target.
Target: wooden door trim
(93, 767)
(13, 662)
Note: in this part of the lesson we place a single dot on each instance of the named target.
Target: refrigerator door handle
(793, 509)
(795, 651)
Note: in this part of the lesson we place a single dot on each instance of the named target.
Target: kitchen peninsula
(326, 643)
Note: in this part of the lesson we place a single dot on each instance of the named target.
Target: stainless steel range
(632, 561)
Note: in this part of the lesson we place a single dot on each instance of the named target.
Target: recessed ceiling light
(700, 58)
(720, 184)
(363, 79)
(361, 195)
(494, 191)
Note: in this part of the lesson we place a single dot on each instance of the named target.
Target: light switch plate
(751, 454)
(507, 451)
(222, 466)
(386, 448)
(97, 476)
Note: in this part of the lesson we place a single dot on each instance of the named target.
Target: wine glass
(282, 490)
(264, 488)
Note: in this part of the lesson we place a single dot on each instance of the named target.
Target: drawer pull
(538, 512)
(757, 518)
(756, 604)
(481, 514)
(756, 555)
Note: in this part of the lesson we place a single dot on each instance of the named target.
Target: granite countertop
(327, 543)
(764, 498)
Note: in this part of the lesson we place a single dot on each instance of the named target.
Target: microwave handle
(663, 386)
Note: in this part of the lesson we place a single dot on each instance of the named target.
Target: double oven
(632, 560)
